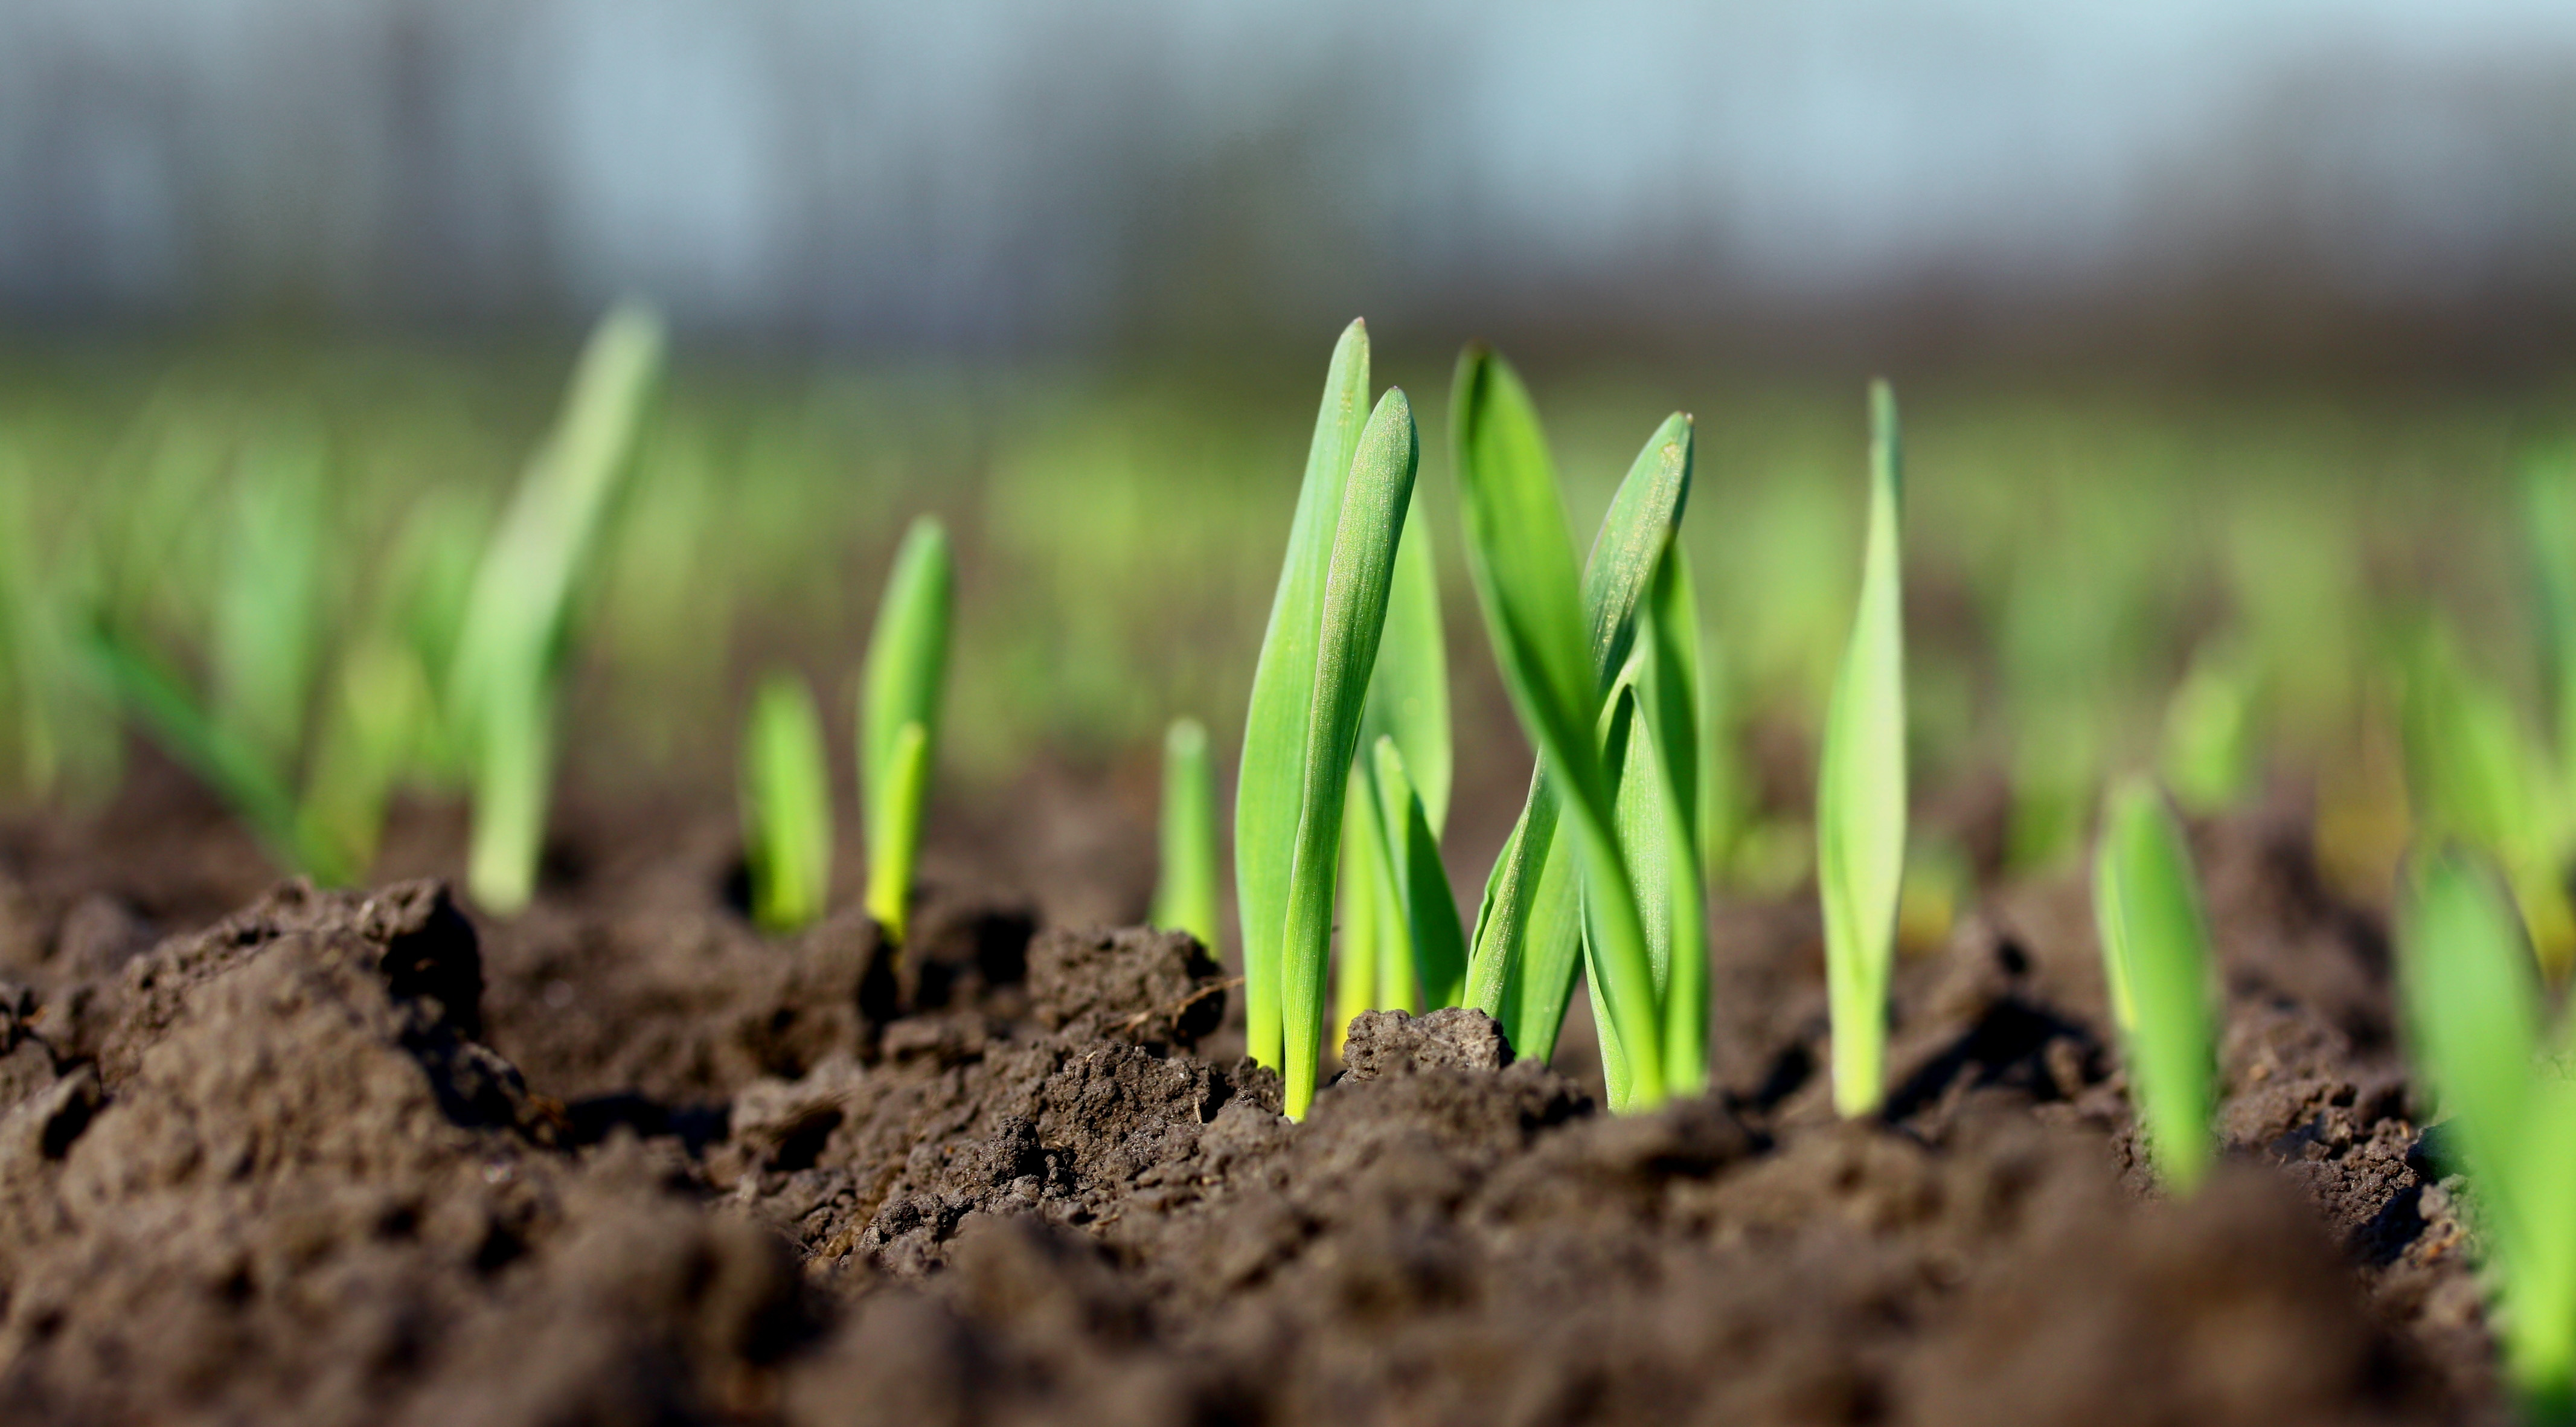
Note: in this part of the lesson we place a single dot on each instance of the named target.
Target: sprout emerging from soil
(2156, 962)
(247, 740)
(2474, 1019)
(512, 648)
(906, 667)
(1269, 778)
(1860, 791)
(1560, 645)
(1350, 618)
(1384, 886)
(1185, 897)
(786, 806)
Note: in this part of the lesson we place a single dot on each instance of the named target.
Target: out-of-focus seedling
(2156, 962)
(786, 806)
(1860, 791)
(906, 668)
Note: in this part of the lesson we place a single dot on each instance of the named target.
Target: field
(389, 1153)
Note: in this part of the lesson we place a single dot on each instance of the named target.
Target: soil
(370, 1158)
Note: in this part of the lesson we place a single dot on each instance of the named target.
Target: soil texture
(364, 1158)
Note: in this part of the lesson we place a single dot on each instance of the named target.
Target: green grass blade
(906, 783)
(1359, 982)
(1549, 950)
(1438, 964)
(1529, 922)
(370, 736)
(2473, 1019)
(2209, 756)
(786, 806)
(1185, 897)
(1552, 651)
(1409, 691)
(2156, 957)
(1860, 793)
(899, 689)
(511, 645)
(2475, 773)
(1356, 587)
(237, 772)
(1670, 701)
(1270, 776)
(267, 635)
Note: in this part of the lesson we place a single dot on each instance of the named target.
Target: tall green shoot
(1269, 779)
(906, 667)
(513, 645)
(1860, 791)
(1388, 889)
(1350, 620)
(1556, 655)
(2156, 962)
(1185, 896)
(2473, 1014)
(786, 806)
(1530, 937)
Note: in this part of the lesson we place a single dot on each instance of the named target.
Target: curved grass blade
(1185, 898)
(510, 648)
(1553, 650)
(1353, 616)
(786, 806)
(2473, 1019)
(899, 688)
(255, 790)
(1437, 969)
(2156, 959)
(1270, 777)
(1860, 793)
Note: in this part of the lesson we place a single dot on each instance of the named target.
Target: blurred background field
(2093, 560)
(2226, 334)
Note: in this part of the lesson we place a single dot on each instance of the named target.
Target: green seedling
(1652, 746)
(372, 732)
(514, 641)
(1417, 888)
(1374, 958)
(1351, 617)
(1408, 712)
(786, 807)
(268, 608)
(246, 740)
(2477, 774)
(2473, 1013)
(906, 668)
(2156, 963)
(1269, 779)
(2209, 754)
(1185, 898)
(1560, 643)
(257, 792)
(1860, 791)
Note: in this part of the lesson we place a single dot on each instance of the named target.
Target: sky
(1032, 173)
